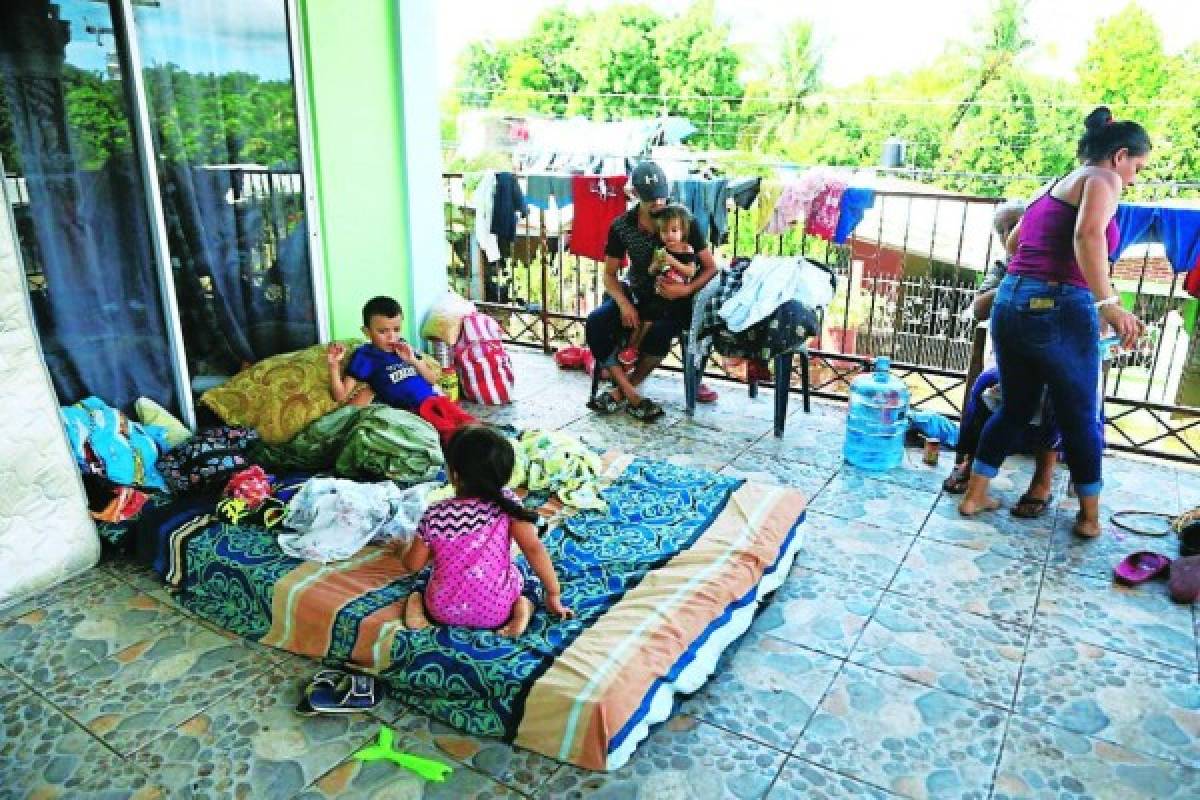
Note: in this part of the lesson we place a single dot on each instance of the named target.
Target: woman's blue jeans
(1046, 335)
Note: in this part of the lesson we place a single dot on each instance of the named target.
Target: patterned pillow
(279, 395)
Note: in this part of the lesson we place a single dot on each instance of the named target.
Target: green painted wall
(353, 76)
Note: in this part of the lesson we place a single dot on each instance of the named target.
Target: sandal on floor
(1030, 507)
(956, 481)
(706, 394)
(352, 695)
(1140, 567)
(604, 403)
(645, 411)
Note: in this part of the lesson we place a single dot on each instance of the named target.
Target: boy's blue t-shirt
(394, 380)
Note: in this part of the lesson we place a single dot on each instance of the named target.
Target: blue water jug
(878, 419)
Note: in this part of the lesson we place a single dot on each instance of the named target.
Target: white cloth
(334, 518)
(484, 201)
(771, 281)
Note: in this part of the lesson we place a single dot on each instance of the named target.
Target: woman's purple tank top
(1046, 242)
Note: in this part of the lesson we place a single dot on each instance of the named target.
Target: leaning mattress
(662, 583)
(46, 535)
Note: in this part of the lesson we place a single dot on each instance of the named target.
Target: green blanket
(361, 443)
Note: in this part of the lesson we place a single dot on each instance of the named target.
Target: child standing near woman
(475, 582)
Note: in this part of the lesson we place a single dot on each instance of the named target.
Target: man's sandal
(645, 411)
(604, 403)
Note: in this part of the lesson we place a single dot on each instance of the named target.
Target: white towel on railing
(484, 200)
(771, 281)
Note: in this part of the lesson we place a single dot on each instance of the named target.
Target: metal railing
(906, 281)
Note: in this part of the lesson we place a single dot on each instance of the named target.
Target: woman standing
(1048, 309)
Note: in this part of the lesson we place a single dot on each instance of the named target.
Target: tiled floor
(910, 653)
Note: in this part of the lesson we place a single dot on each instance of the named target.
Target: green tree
(699, 74)
(1125, 62)
(772, 107)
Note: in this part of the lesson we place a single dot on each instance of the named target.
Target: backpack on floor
(485, 371)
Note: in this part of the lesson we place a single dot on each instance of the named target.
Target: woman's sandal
(645, 411)
(1030, 507)
(956, 481)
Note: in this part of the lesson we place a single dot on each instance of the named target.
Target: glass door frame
(130, 53)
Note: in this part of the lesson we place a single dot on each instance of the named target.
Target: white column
(422, 157)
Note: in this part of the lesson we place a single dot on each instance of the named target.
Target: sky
(858, 37)
(209, 36)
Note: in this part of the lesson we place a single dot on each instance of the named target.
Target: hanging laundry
(705, 201)
(1134, 225)
(508, 203)
(484, 200)
(768, 197)
(540, 188)
(598, 201)
(744, 191)
(1178, 229)
(855, 203)
(796, 200)
(821, 219)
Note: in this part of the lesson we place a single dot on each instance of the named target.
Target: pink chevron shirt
(475, 582)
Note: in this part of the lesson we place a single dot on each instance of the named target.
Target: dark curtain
(244, 285)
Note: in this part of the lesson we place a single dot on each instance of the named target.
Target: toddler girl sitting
(475, 582)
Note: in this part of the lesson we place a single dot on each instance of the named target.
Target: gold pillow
(279, 395)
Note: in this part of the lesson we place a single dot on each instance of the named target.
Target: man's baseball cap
(650, 182)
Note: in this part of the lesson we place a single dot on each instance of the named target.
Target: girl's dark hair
(1104, 136)
(481, 459)
(671, 213)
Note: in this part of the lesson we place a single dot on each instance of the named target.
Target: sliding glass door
(152, 156)
(74, 181)
(222, 109)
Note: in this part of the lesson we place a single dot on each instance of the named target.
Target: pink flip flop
(1140, 567)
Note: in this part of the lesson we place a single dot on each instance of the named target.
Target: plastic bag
(444, 321)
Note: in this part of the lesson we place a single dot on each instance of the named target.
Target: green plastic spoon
(426, 768)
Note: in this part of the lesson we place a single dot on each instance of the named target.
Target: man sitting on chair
(635, 235)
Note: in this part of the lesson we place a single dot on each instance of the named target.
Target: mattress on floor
(46, 534)
(662, 583)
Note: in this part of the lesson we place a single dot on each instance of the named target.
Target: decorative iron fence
(906, 282)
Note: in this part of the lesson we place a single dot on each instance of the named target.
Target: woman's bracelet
(1111, 300)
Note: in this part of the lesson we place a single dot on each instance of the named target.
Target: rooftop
(909, 651)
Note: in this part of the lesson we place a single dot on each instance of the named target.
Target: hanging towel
(508, 203)
(484, 200)
(1177, 228)
(744, 191)
(1135, 224)
(768, 197)
(796, 200)
(855, 203)
(598, 201)
(540, 188)
(1180, 229)
(821, 219)
(716, 192)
